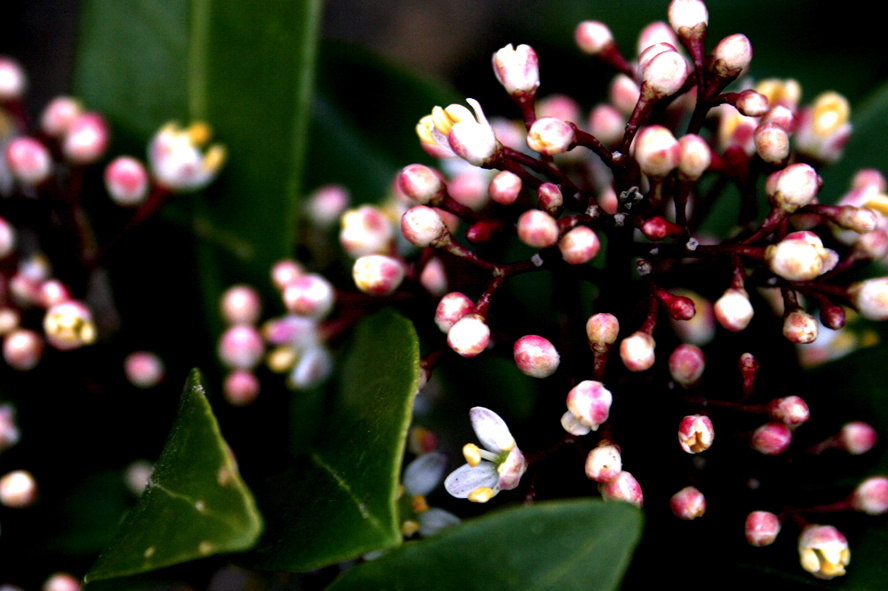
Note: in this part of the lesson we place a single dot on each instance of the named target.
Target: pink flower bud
(537, 229)
(657, 151)
(13, 81)
(793, 187)
(823, 551)
(607, 124)
(325, 205)
(857, 219)
(474, 141)
(588, 406)
(309, 295)
(241, 304)
(579, 245)
(856, 437)
(771, 439)
(550, 198)
(688, 503)
(781, 116)
(434, 277)
(792, 410)
(593, 37)
(602, 329)
(871, 496)
(29, 161)
(872, 245)
(451, 308)
(423, 226)
(22, 349)
(59, 114)
(800, 256)
(377, 274)
(61, 582)
(637, 351)
(559, 106)
(655, 33)
(604, 463)
(8, 238)
(752, 103)
(695, 433)
(143, 369)
(622, 488)
(241, 347)
(469, 335)
(733, 310)
(241, 387)
(517, 69)
(771, 143)
(686, 364)
(550, 136)
(662, 75)
(870, 298)
(657, 228)
(126, 181)
(800, 328)
(624, 93)
(731, 56)
(285, 272)
(536, 356)
(421, 184)
(505, 188)
(365, 230)
(762, 528)
(86, 139)
(695, 157)
(18, 489)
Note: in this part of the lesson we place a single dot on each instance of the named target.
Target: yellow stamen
(418, 504)
(281, 359)
(409, 527)
(214, 158)
(879, 203)
(199, 133)
(482, 494)
(472, 454)
(831, 111)
(441, 121)
(787, 92)
(459, 113)
(424, 130)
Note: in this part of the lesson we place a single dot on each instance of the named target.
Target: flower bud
(663, 74)
(857, 219)
(622, 488)
(752, 103)
(856, 437)
(870, 298)
(800, 256)
(377, 274)
(474, 141)
(517, 69)
(469, 335)
(22, 349)
(241, 347)
(686, 364)
(126, 181)
(824, 128)
(695, 433)
(550, 136)
(602, 329)
(771, 143)
(657, 151)
(421, 184)
(18, 489)
(793, 187)
(241, 387)
(771, 439)
(604, 463)
(285, 272)
(434, 277)
(579, 245)
(423, 226)
(607, 124)
(731, 56)
(325, 205)
(872, 245)
(13, 81)
(588, 406)
(451, 308)
(762, 528)
(143, 369)
(365, 230)
(655, 33)
(85, 140)
(61, 582)
(800, 328)
(550, 199)
(505, 188)
(309, 295)
(792, 410)
(823, 551)
(177, 158)
(593, 37)
(29, 161)
(687, 14)
(688, 503)
(241, 304)
(637, 351)
(537, 229)
(8, 238)
(59, 114)
(695, 157)
(781, 116)
(733, 310)
(536, 356)
(69, 325)
(871, 496)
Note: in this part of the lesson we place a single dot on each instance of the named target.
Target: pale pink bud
(241, 387)
(593, 37)
(377, 274)
(421, 184)
(871, 496)
(870, 298)
(18, 489)
(241, 347)
(143, 369)
(857, 219)
(365, 230)
(423, 226)
(869, 177)
(325, 205)
(588, 406)
(654, 33)
(731, 56)
(752, 103)
(550, 198)
(622, 488)
(872, 245)
(285, 272)
(695, 433)
(637, 351)
(604, 463)
(550, 136)
(241, 304)
(537, 228)
(309, 295)
(469, 335)
(9, 320)
(657, 151)
(8, 238)
(856, 437)
(13, 81)
(505, 188)
(474, 141)
(59, 114)
(61, 582)
(800, 328)
(178, 160)
(823, 551)
(86, 139)
(793, 187)
(771, 439)
(687, 14)
(126, 181)
(762, 528)
(800, 256)
(686, 364)
(607, 124)
(624, 93)
(579, 245)
(792, 410)
(535, 356)
(695, 156)
(771, 143)
(663, 75)
(52, 293)
(733, 310)
(781, 116)
(602, 329)
(22, 349)
(29, 161)
(434, 277)
(688, 503)
(451, 308)
(517, 69)
(69, 325)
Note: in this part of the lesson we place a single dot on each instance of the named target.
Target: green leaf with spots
(339, 500)
(584, 545)
(195, 505)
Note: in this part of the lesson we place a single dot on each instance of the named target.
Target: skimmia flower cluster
(620, 199)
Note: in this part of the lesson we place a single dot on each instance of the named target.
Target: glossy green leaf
(195, 505)
(339, 500)
(583, 545)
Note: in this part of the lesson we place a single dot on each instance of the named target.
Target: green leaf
(584, 545)
(339, 500)
(195, 504)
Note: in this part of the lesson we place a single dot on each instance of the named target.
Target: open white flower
(499, 466)
(421, 476)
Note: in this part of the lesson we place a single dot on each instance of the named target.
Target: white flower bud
(365, 230)
(377, 274)
(537, 228)
(517, 69)
(29, 161)
(469, 336)
(663, 74)
(733, 310)
(696, 156)
(687, 14)
(593, 37)
(536, 356)
(550, 136)
(731, 56)
(800, 257)
(421, 184)
(422, 226)
(793, 187)
(870, 298)
(657, 151)
(579, 245)
(604, 463)
(637, 351)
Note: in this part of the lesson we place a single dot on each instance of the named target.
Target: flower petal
(573, 425)
(492, 431)
(465, 479)
(424, 473)
(511, 470)
(435, 520)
